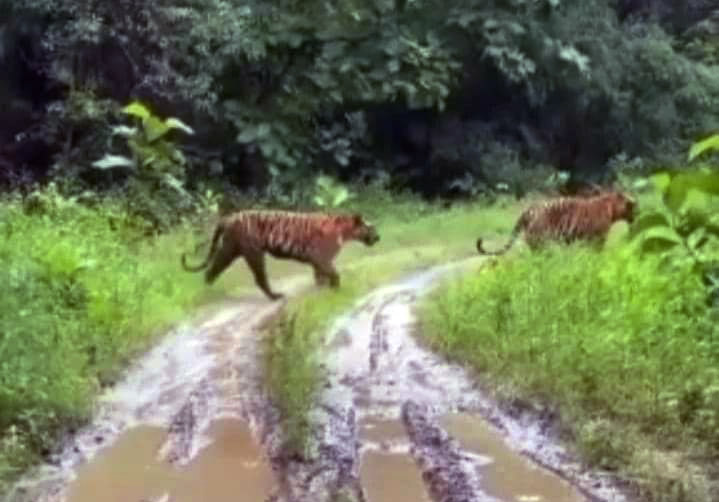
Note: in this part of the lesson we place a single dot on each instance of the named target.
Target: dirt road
(191, 422)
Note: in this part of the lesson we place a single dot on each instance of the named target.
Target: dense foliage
(446, 97)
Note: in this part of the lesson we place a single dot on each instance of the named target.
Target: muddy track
(390, 413)
(379, 374)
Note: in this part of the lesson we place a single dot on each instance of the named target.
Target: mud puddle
(184, 424)
(129, 470)
(398, 423)
(508, 476)
(387, 470)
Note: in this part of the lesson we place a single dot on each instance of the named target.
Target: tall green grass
(626, 349)
(83, 292)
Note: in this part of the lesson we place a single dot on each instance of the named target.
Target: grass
(413, 235)
(625, 349)
(83, 292)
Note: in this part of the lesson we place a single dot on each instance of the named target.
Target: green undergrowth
(625, 349)
(413, 236)
(83, 292)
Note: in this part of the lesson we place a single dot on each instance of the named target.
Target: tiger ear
(357, 219)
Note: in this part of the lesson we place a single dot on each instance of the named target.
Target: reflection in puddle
(509, 476)
(389, 476)
(231, 468)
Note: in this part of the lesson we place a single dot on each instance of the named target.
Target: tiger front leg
(325, 272)
(320, 278)
(256, 262)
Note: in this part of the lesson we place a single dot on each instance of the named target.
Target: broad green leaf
(712, 224)
(706, 180)
(174, 123)
(340, 197)
(661, 180)
(113, 161)
(149, 160)
(324, 182)
(137, 109)
(175, 183)
(154, 128)
(697, 238)
(698, 148)
(123, 130)
(650, 219)
(659, 239)
(675, 194)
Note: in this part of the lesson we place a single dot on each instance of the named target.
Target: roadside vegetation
(83, 292)
(622, 343)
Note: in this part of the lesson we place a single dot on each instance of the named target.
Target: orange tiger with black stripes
(567, 219)
(313, 238)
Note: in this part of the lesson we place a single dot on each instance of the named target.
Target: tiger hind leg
(256, 262)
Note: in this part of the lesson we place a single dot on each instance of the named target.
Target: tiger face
(363, 231)
(623, 207)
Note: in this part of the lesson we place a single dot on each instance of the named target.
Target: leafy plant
(330, 193)
(153, 155)
(156, 165)
(685, 226)
(703, 146)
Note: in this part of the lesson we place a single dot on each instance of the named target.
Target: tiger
(567, 219)
(307, 237)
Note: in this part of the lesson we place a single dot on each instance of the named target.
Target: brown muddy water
(231, 464)
(191, 422)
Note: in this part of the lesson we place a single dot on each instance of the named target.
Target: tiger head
(622, 206)
(362, 231)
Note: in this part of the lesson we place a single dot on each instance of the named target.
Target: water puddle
(391, 477)
(388, 472)
(509, 476)
(229, 469)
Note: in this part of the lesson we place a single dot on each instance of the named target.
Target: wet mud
(398, 422)
(395, 422)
